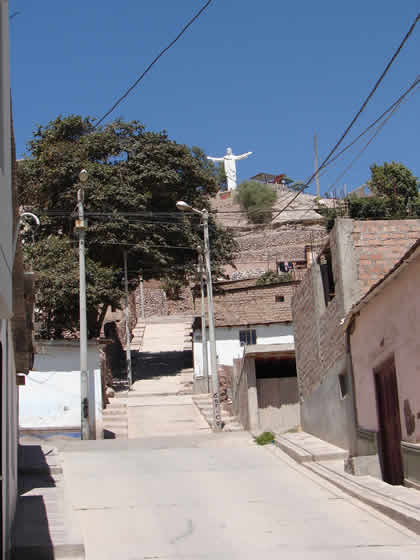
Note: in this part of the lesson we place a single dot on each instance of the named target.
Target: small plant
(271, 277)
(265, 438)
(172, 287)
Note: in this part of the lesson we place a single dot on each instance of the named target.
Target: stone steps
(115, 420)
(160, 334)
(205, 407)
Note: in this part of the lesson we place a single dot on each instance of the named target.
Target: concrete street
(208, 496)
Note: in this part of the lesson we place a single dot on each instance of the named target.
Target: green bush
(271, 277)
(172, 288)
(257, 199)
(265, 438)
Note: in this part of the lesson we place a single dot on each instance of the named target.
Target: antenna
(316, 165)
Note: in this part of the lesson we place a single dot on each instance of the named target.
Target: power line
(162, 52)
(353, 161)
(359, 112)
(376, 121)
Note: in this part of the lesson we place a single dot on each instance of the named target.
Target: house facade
(254, 332)
(383, 333)
(356, 256)
(9, 389)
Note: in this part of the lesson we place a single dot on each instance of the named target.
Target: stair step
(114, 411)
(115, 421)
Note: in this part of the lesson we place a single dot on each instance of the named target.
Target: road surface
(205, 496)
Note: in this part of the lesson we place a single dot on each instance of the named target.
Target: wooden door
(389, 423)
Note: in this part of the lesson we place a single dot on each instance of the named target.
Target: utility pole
(203, 322)
(127, 325)
(217, 416)
(81, 230)
(316, 165)
(141, 297)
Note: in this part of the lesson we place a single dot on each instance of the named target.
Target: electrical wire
(376, 121)
(162, 52)
(355, 118)
(353, 161)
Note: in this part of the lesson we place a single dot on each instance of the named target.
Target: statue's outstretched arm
(243, 156)
(215, 158)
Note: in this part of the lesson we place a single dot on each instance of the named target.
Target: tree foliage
(395, 194)
(135, 179)
(257, 199)
(221, 177)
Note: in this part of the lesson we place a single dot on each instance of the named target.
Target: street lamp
(84, 388)
(19, 222)
(203, 320)
(217, 417)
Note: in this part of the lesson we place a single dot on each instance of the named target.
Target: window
(279, 299)
(327, 275)
(247, 337)
(342, 378)
(285, 266)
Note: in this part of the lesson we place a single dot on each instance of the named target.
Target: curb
(403, 513)
(394, 508)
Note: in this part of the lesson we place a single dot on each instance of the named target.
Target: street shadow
(31, 537)
(152, 365)
(108, 434)
(33, 469)
(31, 534)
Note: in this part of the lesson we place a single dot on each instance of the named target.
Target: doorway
(388, 410)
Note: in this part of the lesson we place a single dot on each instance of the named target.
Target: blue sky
(257, 76)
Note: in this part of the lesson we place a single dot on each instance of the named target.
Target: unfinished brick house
(253, 331)
(356, 256)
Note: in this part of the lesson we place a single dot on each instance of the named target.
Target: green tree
(221, 177)
(395, 193)
(396, 185)
(135, 179)
(257, 199)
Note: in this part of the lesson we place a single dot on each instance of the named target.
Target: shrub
(265, 438)
(257, 199)
(271, 277)
(172, 288)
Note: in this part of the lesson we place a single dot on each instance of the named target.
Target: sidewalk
(397, 502)
(45, 525)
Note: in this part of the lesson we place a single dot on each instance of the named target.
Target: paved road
(218, 496)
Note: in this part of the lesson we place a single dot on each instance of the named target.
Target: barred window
(247, 337)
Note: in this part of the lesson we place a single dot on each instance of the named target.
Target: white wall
(228, 346)
(6, 221)
(51, 399)
(9, 399)
(51, 396)
(60, 355)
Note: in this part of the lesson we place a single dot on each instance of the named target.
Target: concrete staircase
(204, 404)
(138, 334)
(115, 420)
(170, 333)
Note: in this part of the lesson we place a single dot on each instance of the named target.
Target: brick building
(383, 332)
(282, 243)
(356, 256)
(254, 331)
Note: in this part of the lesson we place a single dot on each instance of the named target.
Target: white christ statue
(230, 166)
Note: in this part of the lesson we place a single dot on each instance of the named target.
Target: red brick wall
(243, 303)
(380, 244)
(319, 336)
(306, 336)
